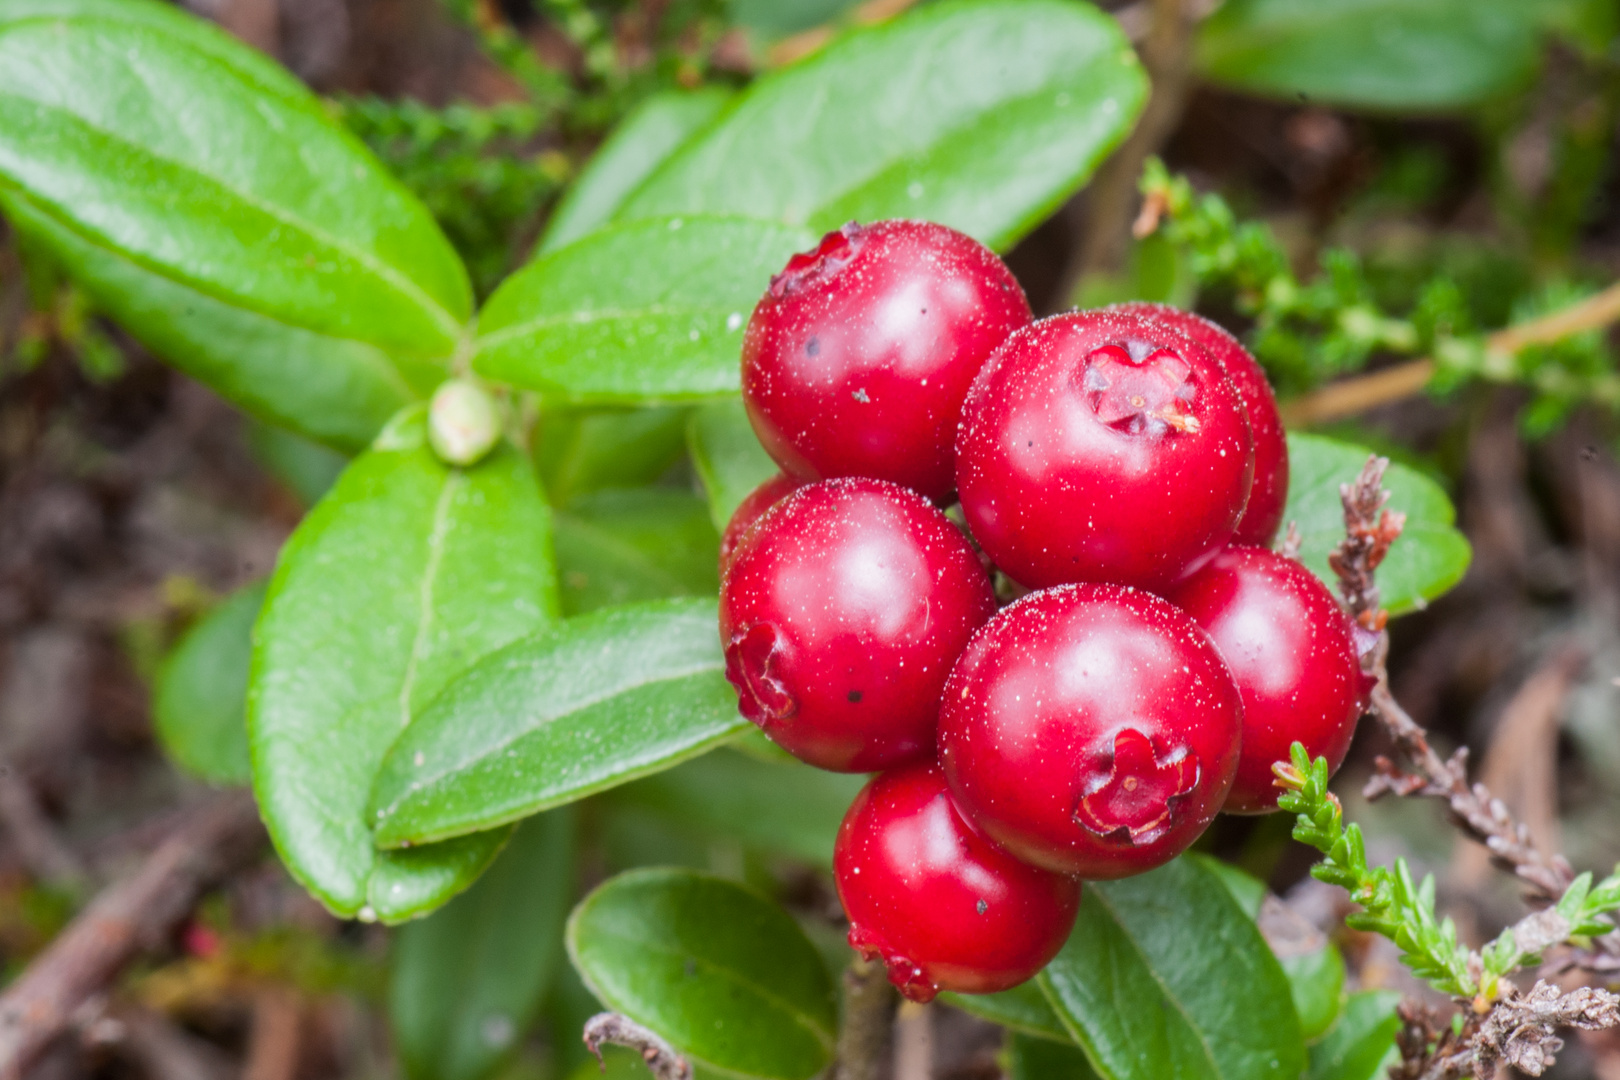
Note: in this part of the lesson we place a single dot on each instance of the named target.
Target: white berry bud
(462, 422)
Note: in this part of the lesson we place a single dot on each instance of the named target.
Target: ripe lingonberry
(1291, 652)
(856, 361)
(944, 908)
(1269, 492)
(841, 614)
(1091, 729)
(751, 509)
(1102, 446)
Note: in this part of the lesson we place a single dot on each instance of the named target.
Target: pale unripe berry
(463, 423)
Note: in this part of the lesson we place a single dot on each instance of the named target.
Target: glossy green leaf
(727, 455)
(585, 450)
(467, 981)
(307, 468)
(1316, 977)
(1313, 965)
(1429, 558)
(981, 114)
(1024, 1009)
(641, 142)
(1147, 983)
(403, 576)
(621, 546)
(1361, 1046)
(1385, 54)
(215, 209)
(1042, 1059)
(587, 705)
(651, 311)
(198, 702)
(721, 972)
(785, 808)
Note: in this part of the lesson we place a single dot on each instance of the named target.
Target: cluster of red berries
(1129, 466)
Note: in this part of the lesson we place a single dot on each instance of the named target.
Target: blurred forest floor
(131, 498)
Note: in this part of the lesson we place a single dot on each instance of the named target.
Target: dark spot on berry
(860, 396)
(855, 697)
(925, 311)
(812, 347)
(981, 907)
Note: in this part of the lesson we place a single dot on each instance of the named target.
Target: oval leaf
(727, 456)
(784, 808)
(1023, 1009)
(199, 707)
(1361, 1046)
(617, 547)
(1042, 1059)
(718, 970)
(586, 450)
(637, 313)
(1429, 558)
(592, 703)
(637, 146)
(1145, 983)
(467, 981)
(981, 115)
(1387, 54)
(221, 215)
(406, 573)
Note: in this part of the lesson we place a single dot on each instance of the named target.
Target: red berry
(943, 907)
(751, 509)
(1091, 729)
(856, 361)
(1270, 491)
(1102, 446)
(1291, 651)
(841, 615)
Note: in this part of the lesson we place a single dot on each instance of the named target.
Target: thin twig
(127, 917)
(1166, 52)
(1370, 528)
(47, 858)
(661, 1058)
(1350, 396)
(869, 1002)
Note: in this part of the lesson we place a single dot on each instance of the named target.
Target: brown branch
(1166, 52)
(661, 1058)
(126, 918)
(869, 1002)
(1521, 1030)
(1350, 396)
(1370, 529)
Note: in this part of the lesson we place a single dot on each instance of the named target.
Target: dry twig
(124, 919)
(869, 1002)
(1370, 528)
(661, 1058)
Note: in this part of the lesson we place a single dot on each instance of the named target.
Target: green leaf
(718, 970)
(1362, 1044)
(641, 142)
(467, 981)
(307, 468)
(587, 705)
(620, 546)
(1042, 1059)
(1383, 54)
(1429, 558)
(214, 208)
(1315, 975)
(1146, 983)
(198, 703)
(980, 114)
(727, 455)
(1023, 1009)
(785, 808)
(582, 450)
(402, 577)
(652, 311)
